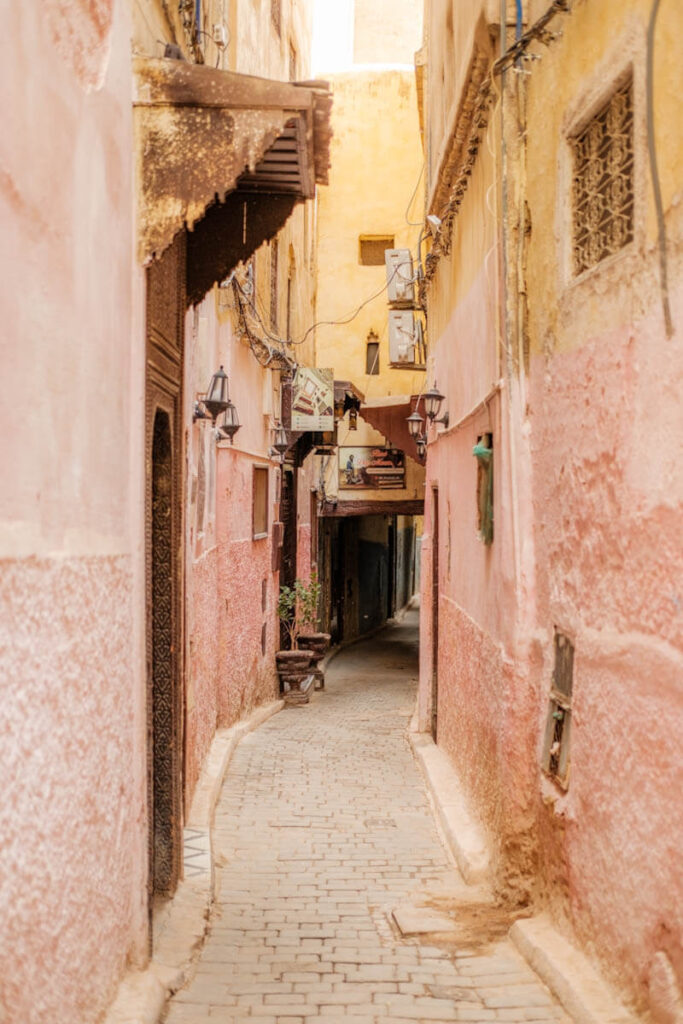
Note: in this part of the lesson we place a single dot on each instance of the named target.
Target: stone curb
(142, 995)
(568, 973)
(463, 835)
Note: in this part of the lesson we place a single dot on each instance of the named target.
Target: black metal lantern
(281, 442)
(433, 399)
(217, 399)
(339, 408)
(415, 423)
(421, 443)
(353, 419)
(230, 424)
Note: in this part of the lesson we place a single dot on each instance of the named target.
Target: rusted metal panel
(203, 133)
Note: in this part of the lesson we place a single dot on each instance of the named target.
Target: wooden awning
(388, 415)
(209, 139)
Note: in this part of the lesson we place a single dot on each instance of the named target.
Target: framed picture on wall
(371, 468)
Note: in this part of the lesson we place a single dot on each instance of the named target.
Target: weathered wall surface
(588, 492)
(608, 497)
(229, 672)
(376, 163)
(72, 817)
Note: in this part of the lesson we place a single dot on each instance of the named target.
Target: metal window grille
(603, 182)
(371, 249)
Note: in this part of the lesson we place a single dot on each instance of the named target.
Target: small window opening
(483, 452)
(372, 354)
(603, 196)
(371, 249)
(260, 502)
(558, 728)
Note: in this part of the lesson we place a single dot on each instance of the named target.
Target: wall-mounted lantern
(353, 419)
(230, 425)
(280, 440)
(421, 444)
(415, 423)
(215, 401)
(433, 400)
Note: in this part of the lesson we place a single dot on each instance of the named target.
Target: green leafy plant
(297, 607)
(308, 601)
(286, 610)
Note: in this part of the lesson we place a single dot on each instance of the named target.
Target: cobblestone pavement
(323, 827)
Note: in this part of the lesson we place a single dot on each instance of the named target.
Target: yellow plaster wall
(254, 45)
(376, 162)
(376, 168)
(598, 41)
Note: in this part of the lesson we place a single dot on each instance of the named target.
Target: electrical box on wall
(401, 336)
(400, 286)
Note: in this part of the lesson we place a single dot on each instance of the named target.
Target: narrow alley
(323, 829)
(341, 601)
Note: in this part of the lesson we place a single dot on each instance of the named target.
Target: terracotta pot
(318, 643)
(293, 667)
(292, 661)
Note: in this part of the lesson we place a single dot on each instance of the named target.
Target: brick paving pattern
(323, 827)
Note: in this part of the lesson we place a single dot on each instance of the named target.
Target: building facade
(371, 488)
(551, 634)
(140, 555)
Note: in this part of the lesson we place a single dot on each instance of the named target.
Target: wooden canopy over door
(163, 521)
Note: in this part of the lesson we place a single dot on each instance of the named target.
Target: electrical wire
(319, 323)
(656, 184)
(415, 223)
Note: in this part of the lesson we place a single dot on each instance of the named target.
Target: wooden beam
(401, 507)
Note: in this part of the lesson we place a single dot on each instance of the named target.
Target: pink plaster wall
(589, 543)
(487, 676)
(72, 762)
(227, 675)
(247, 676)
(608, 494)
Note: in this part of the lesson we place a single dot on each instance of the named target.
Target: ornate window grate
(603, 182)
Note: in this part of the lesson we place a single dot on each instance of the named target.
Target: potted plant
(308, 620)
(308, 617)
(292, 665)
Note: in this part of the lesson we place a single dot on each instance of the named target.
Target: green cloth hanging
(484, 457)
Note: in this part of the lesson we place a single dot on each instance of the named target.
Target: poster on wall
(371, 468)
(313, 399)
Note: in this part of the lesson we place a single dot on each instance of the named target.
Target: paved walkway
(322, 829)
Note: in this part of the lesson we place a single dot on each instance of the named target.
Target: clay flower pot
(293, 667)
(317, 643)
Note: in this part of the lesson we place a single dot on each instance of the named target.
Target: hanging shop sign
(313, 399)
(371, 468)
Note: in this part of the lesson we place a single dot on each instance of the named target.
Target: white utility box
(401, 336)
(400, 285)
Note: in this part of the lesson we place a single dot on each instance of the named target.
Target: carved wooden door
(164, 493)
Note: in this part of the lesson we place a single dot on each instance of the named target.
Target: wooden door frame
(165, 326)
(435, 614)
